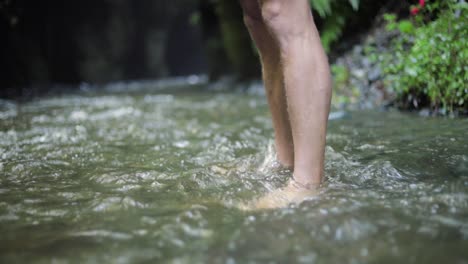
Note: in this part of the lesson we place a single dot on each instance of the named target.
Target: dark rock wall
(67, 42)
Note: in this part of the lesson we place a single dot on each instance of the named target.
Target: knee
(269, 13)
(271, 10)
(275, 18)
(286, 19)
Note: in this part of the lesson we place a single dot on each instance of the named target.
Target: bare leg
(307, 83)
(297, 78)
(273, 80)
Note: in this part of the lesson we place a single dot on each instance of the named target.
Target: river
(157, 177)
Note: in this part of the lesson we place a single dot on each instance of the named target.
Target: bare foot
(293, 193)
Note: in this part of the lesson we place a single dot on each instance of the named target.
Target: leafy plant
(334, 15)
(325, 7)
(344, 92)
(429, 60)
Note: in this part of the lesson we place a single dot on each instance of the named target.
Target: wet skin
(297, 80)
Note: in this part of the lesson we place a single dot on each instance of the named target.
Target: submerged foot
(293, 193)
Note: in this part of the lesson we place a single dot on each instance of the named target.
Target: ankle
(307, 181)
(286, 161)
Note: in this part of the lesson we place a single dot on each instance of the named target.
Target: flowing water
(156, 177)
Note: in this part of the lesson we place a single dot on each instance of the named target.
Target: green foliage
(323, 7)
(332, 30)
(430, 57)
(327, 7)
(334, 14)
(404, 26)
(343, 92)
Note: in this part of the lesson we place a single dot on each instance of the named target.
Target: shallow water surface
(157, 177)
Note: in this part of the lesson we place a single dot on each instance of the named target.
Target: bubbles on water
(159, 99)
(369, 146)
(181, 144)
(164, 173)
(116, 113)
(110, 204)
(78, 115)
(8, 109)
(102, 234)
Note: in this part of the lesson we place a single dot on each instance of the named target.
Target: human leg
(272, 78)
(307, 83)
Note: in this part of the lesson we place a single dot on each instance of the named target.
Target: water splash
(122, 177)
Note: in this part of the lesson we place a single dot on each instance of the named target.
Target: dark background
(51, 42)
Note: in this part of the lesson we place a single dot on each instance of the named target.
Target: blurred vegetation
(236, 40)
(344, 92)
(427, 65)
(334, 15)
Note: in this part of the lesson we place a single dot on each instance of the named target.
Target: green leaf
(389, 17)
(406, 26)
(391, 26)
(323, 7)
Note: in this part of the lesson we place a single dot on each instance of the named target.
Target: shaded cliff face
(54, 41)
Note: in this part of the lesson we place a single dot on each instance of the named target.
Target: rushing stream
(157, 177)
